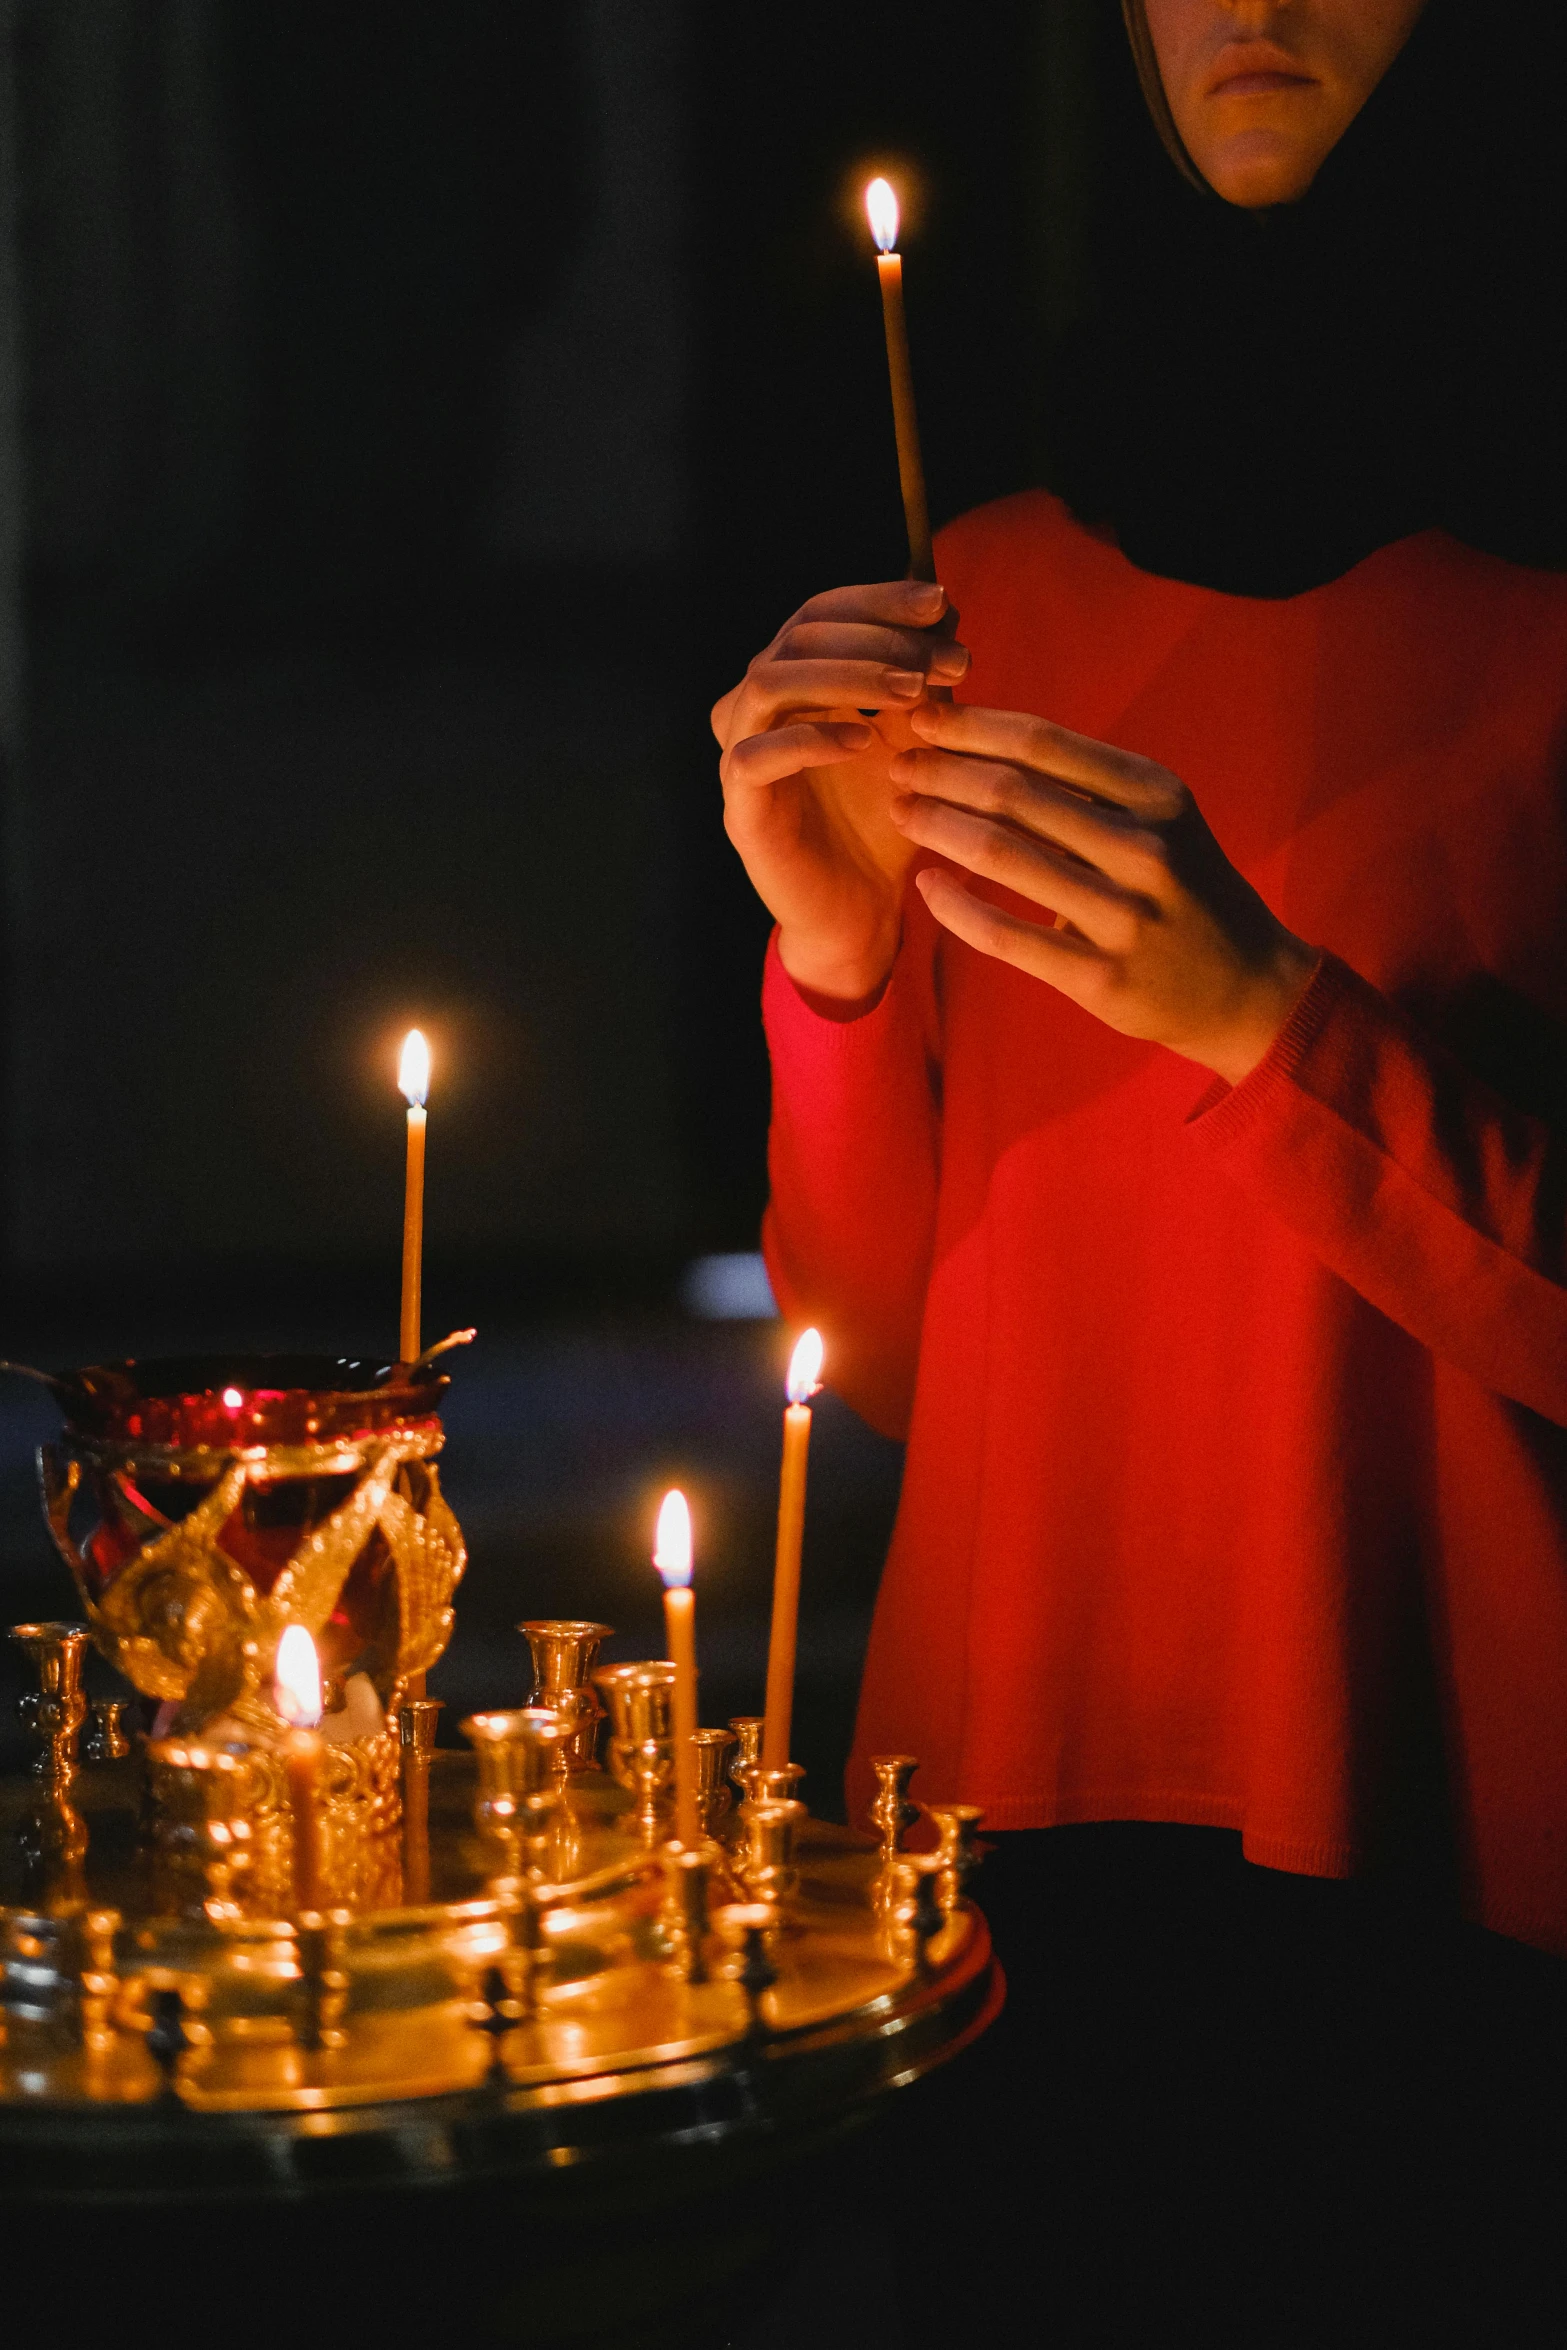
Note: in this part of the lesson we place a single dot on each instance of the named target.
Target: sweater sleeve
(852, 1158)
(1409, 1178)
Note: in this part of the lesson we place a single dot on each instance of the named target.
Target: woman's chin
(1260, 166)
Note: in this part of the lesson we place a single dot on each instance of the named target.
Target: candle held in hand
(413, 1082)
(881, 206)
(805, 1366)
(672, 1557)
(296, 1693)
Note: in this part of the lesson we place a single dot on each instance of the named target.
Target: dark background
(411, 418)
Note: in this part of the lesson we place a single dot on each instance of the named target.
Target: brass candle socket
(642, 1745)
(58, 1982)
(912, 1911)
(651, 1763)
(106, 1738)
(713, 1793)
(747, 1929)
(322, 1984)
(685, 1911)
(564, 1654)
(497, 2012)
(748, 1729)
(519, 1791)
(892, 1811)
(56, 1710)
(204, 1843)
(416, 1724)
(956, 1858)
(771, 1783)
(641, 1706)
(767, 1867)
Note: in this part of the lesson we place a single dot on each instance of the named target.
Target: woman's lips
(1255, 69)
(1258, 85)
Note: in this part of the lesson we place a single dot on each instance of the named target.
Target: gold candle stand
(508, 1951)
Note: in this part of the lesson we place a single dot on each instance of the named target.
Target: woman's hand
(806, 791)
(1157, 934)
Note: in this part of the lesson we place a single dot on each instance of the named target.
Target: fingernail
(907, 684)
(949, 661)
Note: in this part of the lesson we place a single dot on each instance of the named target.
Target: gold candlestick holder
(771, 1783)
(686, 1915)
(642, 1739)
(564, 1654)
(892, 1811)
(767, 1867)
(106, 1738)
(52, 1835)
(55, 1711)
(957, 1851)
(519, 1792)
(713, 1794)
(416, 1725)
(748, 1729)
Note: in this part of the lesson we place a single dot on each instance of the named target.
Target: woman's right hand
(806, 787)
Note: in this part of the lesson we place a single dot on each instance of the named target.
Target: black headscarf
(1261, 399)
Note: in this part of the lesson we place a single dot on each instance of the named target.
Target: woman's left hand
(1157, 934)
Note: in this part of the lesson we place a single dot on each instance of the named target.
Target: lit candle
(296, 1693)
(672, 1557)
(805, 1370)
(413, 1082)
(881, 207)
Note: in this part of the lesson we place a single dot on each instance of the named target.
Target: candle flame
(881, 210)
(296, 1679)
(413, 1070)
(672, 1542)
(232, 1398)
(805, 1368)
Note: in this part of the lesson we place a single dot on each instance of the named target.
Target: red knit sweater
(1223, 1405)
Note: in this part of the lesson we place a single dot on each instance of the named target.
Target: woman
(1157, 1134)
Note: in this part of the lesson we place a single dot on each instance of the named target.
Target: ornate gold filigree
(427, 1545)
(185, 1623)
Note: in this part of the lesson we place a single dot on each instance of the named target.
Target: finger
(843, 640)
(763, 759)
(773, 688)
(906, 603)
(1120, 776)
(1030, 867)
(1111, 837)
(1070, 963)
(723, 710)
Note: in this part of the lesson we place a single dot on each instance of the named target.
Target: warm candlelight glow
(672, 1557)
(881, 210)
(413, 1076)
(672, 1542)
(413, 1069)
(232, 1398)
(805, 1368)
(296, 1685)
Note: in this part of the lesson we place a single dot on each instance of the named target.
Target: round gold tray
(369, 2049)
